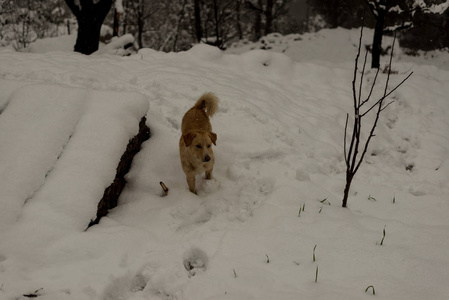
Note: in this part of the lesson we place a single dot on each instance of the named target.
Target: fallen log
(112, 192)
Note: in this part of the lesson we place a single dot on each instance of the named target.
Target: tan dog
(195, 145)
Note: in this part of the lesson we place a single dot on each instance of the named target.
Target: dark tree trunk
(198, 28)
(269, 17)
(258, 12)
(125, 17)
(217, 25)
(88, 38)
(116, 23)
(239, 25)
(377, 40)
(258, 21)
(307, 17)
(258, 27)
(140, 25)
(90, 17)
(178, 26)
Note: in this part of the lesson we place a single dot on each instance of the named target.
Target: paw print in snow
(195, 260)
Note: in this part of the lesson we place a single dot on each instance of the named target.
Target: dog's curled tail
(208, 102)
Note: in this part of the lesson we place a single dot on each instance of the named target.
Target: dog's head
(200, 143)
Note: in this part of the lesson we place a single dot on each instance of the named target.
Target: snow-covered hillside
(270, 222)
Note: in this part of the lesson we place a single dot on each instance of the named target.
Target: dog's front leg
(209, 173)
(191, 183)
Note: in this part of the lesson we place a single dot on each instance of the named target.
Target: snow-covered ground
(66, 118)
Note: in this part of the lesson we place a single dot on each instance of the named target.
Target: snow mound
(60, 148)
(205, 52)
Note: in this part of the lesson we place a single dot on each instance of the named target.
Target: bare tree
(139, 12)
(23, 29)
(219, 22)
(178, 24)
(167, 25)
(261, 9)
(351, 153)
(24, 21)
(271, 10)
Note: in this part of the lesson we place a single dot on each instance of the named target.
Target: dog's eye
(198, 146)
(208, 146)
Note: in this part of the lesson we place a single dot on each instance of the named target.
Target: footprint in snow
(195, 260)
(2, 268)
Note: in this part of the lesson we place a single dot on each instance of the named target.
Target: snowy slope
(280, 134)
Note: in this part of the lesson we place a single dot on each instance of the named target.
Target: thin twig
(371, 134)
(372, 106)
(354, 95)
(344, 148)
(388, 104)
(361, 79)
(389, 65)
(395, 88)
(372, 88)
(357, 130)
(388, 94)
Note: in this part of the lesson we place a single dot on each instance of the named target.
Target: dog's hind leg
(191, 183)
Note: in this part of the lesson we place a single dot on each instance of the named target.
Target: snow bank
(63, 137)
(34, 129)
(60, 148)
(64, 43)
(331, 46)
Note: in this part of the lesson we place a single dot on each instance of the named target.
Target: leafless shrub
(362, 107)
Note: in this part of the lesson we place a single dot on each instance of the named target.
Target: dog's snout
(207, 158)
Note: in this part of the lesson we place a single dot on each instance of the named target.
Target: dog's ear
(213, 137)
(188, 138)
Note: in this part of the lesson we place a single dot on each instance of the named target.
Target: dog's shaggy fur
(195, 144)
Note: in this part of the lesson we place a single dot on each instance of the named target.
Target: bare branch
(389, 65)
(361, 79)
(388, 94)
(358, 130)
(373, 106)
(372, 88)
(388, 104)
(151, 13)
(344, 147)
(354, 95)
(351, 146)
(251, 6)
(365, 148)
(396, 87)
